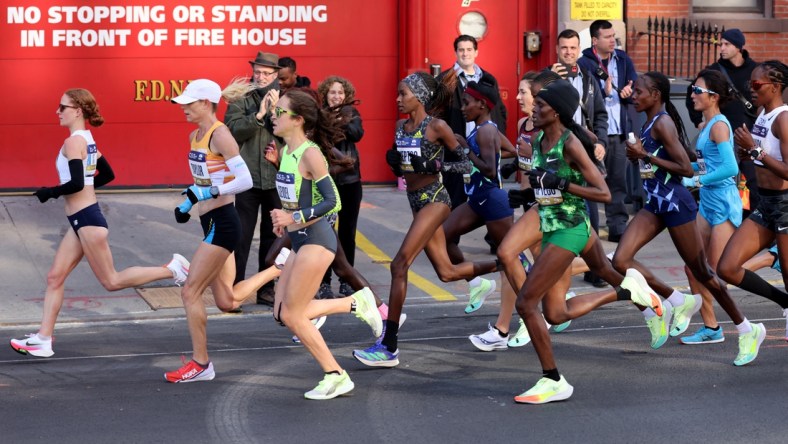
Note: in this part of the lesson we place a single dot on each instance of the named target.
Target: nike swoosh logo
(482, 202)
(551, 160)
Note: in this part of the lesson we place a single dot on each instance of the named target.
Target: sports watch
(214, 191)
(298, 217)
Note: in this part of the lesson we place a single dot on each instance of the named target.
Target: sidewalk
(143, 232)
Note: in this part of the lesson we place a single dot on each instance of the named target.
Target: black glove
(393, 159)
(45, 193)
(424, 166)
(508, 169)
(181, 217)
(524, 197)
(541, 178)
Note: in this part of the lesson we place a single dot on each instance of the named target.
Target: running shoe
(281, 258)
(658, 326)
(526, 263)
(331, 386)
(325, 291)
(546, 390)
(402, 318)
(490, 340)
(561, 327)
(367, 311)
(191, 372)
(641, 293)
(776, 263)
(377, 356)
(704, 335)
(479, 294)
(33, 345)
(682, 314)
(317, 322)
(179, 267)
(345, 289)
(521, 337)
(749, 343)
(785, 313)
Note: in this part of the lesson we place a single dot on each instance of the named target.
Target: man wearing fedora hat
(249, 122)
(737, 66)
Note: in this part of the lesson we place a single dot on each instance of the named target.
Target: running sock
(383, 309)
(353, 306)
(717, 328)
(622, 294)
(552, 374)
(498, 265)
(649, 313)
(42, 337)
(390, 337)
(202, 366)
(334, 372)
(500, 333)
(475, 282)
(676, 298)
(756, 284)
(744, 327)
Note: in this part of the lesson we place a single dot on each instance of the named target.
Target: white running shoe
(331, 386)
(33, 345)
(179, 267)
(281, 258)
(785, 313)
(317, 322)
(640, 292)
(478, 294)
(490, 340)
(367, 311)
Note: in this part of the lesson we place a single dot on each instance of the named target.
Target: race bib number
(199, 167)
(406, 147)
(90, 162)
(285, 187)
(701, 164)
(524, 163)
(646, 169)
(548, 196)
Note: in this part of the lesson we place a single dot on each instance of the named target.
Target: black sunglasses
(63, 107)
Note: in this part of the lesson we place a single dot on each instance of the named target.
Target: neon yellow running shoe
(682, 314)
(331, 386)
(658, 326)
(749, 343)
(521, 337)
(479, 294)
(546, 390)
(641, 293)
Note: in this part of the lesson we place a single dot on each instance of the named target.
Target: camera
(601, 73)
(571, 71)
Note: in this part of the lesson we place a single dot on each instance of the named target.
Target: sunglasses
(279, 111)
(756, 85)
(63, 107)
(265, 74)
(698, 90)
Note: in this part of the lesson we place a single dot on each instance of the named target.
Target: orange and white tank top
(208, 169)
(88, 163)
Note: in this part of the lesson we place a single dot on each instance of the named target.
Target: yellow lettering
(156, 90)
(139, 88)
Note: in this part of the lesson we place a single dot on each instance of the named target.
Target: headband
(418, 88)
(479, 96)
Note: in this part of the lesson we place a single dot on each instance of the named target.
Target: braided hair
(661, 83)
(776, 71)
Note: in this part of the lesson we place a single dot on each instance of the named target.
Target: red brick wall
(761, 46)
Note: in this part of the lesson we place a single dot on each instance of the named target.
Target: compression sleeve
(242, 181)
(462, 166)
(330, 203)
(727, 167)
(77, 182)
(104, 173)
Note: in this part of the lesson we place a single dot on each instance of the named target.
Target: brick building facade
(765, 27)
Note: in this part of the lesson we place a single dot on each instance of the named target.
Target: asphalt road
(105, 384)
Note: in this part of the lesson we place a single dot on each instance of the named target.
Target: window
(756, 6)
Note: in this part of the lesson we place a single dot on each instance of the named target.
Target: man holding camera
(615, 74)
(590, 114)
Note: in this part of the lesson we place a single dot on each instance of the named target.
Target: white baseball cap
(200, 89)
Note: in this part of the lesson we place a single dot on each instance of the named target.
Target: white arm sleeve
(242, 181)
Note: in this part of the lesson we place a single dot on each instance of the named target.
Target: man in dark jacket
(735, 64)
(466, 50)
(591, 114)
(249, 122)
(616, 75)
(288, 77)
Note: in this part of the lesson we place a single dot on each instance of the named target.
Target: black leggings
(350, 195)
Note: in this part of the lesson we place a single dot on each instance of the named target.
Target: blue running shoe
(776, 263)
(526, 263)
(377, 356)
(704, 335)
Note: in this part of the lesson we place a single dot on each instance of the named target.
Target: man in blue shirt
(615, 72)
